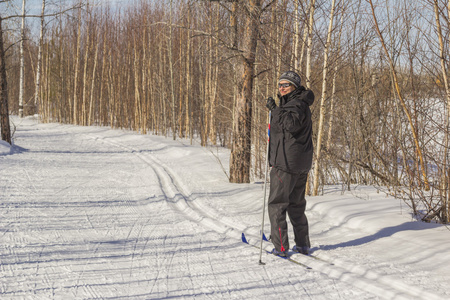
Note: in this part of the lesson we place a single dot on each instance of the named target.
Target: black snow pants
(287, 194)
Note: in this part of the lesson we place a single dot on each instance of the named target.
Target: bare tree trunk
(444, 178)
(295, 55)
(144, 82)
(47, 111)
(94, 77)
(84, 113)
(402, 102)
(188, 119)
(63, 90)
(273, 34)
(241, 148)
(333, 93)
(137, 97)
(50, 108)
(22, 65)
(446, 169)
(322, 103)
(280, 33)
(172, 89)
(39, 61)
(309, 33)
(151, 87)
(4, 111)
(103, 85)
(111, 91)
(234, 24)
(304, 44)
(77, 64)
(181, 86)
(207, 92)
(309, 43)
(214, 83)
(162, 97)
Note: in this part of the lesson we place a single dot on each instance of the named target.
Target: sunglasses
(284, 85)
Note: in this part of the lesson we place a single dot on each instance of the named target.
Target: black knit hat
(292, 77)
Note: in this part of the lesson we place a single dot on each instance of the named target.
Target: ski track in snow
(354, 274)
(122, 220)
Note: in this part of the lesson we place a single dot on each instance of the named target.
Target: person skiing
(290, 157)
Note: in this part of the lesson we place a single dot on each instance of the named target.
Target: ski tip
(264, 237)
(244, 239)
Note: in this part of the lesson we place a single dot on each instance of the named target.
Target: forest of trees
(202, 70)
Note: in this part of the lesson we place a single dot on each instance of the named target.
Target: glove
(271, 104)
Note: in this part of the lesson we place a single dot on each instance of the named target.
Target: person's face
(285, 87)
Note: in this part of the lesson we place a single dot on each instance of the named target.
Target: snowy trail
(90, 212)
(202, 214)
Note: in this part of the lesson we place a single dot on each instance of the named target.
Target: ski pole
(265, 191)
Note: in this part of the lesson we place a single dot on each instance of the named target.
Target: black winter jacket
(290, 146)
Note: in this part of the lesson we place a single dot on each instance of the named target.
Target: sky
(93, 212)
(34, 7)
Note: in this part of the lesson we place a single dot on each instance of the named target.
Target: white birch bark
(172, 92)
(322, 102)
(309, 43)
(240, 160)
(137, 97)
(94, 72)
(77, 64)
(84, 108)
(39, 61)
(188, 81)
(296, 62)
(214, 81)
(22, 65)
(444, 179)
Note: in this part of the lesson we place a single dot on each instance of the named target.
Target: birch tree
(445, 171)
(22, 66)
(77, 67)
(39, 60)
(401, 100)
(242, 115)
(87, 46)
(295, 55)
(323, 100)
(172, 89)
(4, 111)
(310, 26)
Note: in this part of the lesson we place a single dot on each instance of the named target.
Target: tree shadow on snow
(383, 233)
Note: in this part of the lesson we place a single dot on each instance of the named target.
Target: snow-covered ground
(90, 212)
